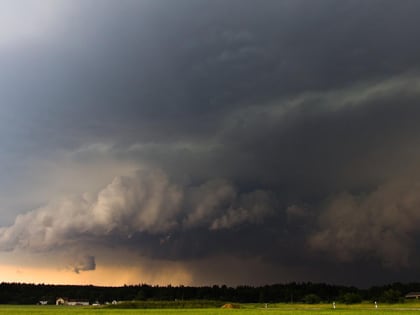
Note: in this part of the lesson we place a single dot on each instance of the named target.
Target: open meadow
(246, 309)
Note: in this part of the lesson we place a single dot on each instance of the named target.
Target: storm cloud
(283, 134)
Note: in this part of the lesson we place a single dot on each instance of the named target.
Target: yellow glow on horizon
(102, 276)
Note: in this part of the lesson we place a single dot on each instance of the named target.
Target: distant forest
(19, 293)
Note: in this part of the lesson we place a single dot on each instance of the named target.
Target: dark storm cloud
(176, 68)
(277, 131)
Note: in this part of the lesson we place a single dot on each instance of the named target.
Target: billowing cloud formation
(381, 225)
(144, 203)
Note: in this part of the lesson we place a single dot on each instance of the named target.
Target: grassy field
(274, 309)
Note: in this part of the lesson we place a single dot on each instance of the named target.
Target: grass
(187, 304)
(246, 309)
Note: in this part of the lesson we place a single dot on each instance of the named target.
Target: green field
(280, 309)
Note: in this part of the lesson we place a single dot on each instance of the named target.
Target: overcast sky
(209, 142)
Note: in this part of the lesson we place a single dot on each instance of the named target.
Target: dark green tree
(350, 298)
(311, 299)
(391, 296)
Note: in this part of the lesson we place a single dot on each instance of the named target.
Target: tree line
(305, 292)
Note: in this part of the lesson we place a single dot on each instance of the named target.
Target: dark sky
(238, 142)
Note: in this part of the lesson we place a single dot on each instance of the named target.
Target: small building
(61, 301)
(413, 295)
(71, 302)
